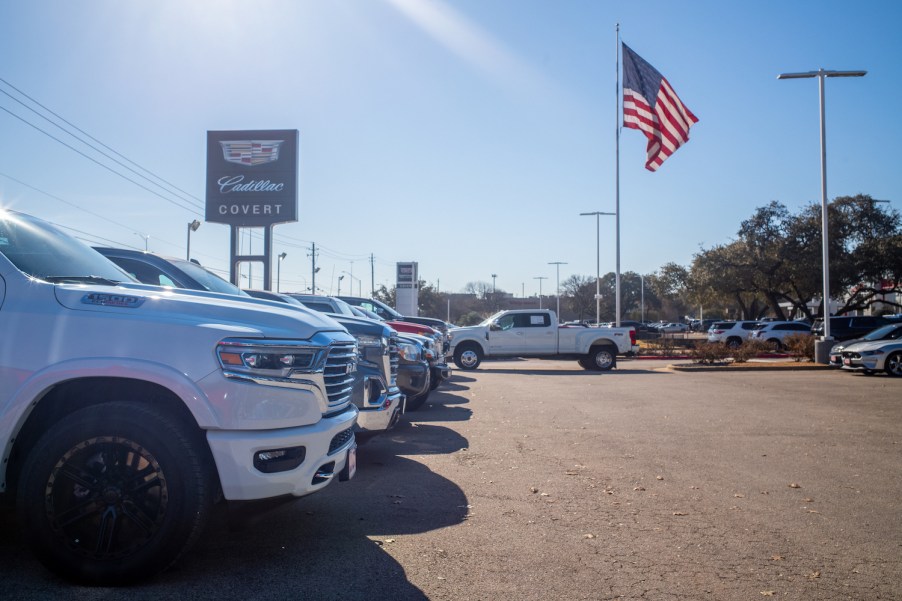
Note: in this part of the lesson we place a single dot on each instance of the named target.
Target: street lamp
(279, 271)
(558, 265)
(146, 238)
(598, 215)
(192, 227)
(540, 278)
(823, 349)
(340, 278)
(494, 275)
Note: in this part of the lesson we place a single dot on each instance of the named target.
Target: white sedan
(670, 328)
(870, 357)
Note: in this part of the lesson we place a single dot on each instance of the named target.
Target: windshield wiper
(80, 279)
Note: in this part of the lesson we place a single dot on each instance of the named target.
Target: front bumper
(862, 363)
(381, 414)
(440, 371)
(326, 446)
(413, 378)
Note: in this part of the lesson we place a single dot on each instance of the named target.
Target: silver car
(871, 357)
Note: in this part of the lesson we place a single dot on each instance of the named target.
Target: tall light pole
(192, 227)
(558, 266)
(340, 278)
(359, 283)
(494, 275)
(598, 215)
(642, 299)
(822, 350)
(540, 278)
(279, 271)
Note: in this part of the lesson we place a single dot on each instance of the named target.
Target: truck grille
(341, 365)
(394, 359)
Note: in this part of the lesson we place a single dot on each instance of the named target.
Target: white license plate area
(352, 461)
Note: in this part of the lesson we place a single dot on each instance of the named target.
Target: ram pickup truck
(127, 410)
(536, 333)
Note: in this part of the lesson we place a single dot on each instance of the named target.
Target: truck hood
(465, 329)
(236, 315)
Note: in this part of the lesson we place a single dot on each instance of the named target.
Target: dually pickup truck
(536, 333)
(127, 410)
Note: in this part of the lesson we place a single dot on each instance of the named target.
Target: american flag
(651, 106)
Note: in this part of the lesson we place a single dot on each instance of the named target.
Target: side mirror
(494, 326)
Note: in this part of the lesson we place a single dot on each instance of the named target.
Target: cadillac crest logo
(250, 152)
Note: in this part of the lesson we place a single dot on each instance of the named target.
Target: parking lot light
(822, 351)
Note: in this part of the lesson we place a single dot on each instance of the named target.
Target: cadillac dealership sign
(252, 177)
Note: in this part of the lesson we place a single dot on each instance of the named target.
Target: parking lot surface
(538, 480)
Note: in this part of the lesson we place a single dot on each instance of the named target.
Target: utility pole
(313, 267)
(372, 275)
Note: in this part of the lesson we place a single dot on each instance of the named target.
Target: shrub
(750, 349)
(709, 353)
(800, 346)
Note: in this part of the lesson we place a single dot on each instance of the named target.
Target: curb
(757, 368)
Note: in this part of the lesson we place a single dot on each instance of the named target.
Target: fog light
(279, 460)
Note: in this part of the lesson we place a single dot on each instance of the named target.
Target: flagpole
(617, 176)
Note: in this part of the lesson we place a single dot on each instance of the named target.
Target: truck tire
(115, 493)
(418, 401)
(601, 358)
(467, 356)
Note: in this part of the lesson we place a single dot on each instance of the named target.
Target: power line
(93, 160)
(78, 129)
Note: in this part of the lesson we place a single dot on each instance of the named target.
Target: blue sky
(467, 135)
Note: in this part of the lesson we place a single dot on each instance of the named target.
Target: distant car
(871, 357)
(157, 270)
(888, 332)
(731, 333)
(847, 327)
(775, 332)
(673, 328)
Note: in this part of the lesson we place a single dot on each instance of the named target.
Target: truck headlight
(267, 360)
(409, 352)
(365, 340)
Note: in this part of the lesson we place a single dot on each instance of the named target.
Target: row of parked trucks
(133, 398)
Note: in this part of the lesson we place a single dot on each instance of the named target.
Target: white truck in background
(536, 333)
(127, 410)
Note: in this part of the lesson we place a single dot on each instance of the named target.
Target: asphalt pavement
(538, 480)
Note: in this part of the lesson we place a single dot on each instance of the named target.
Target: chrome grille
(394, 360)
(339, 373)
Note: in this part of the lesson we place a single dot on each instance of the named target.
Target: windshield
(344, 308)
(488, 321)
(40, 250)
(880, 333)
(209, 280)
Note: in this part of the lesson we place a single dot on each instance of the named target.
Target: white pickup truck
(536, 333)
(127, 410)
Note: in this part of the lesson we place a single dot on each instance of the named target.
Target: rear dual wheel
(600, 358)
